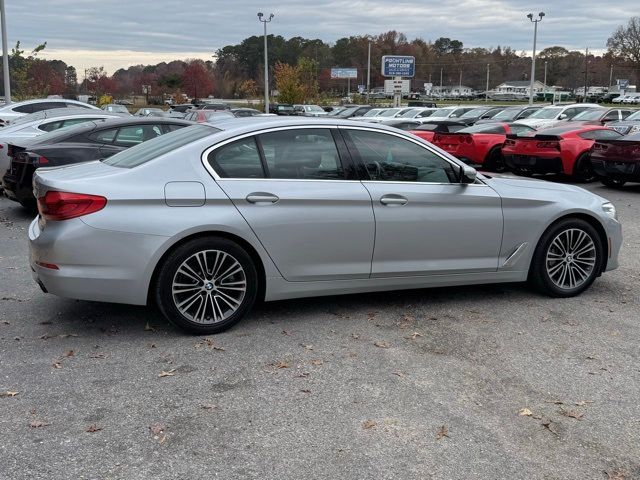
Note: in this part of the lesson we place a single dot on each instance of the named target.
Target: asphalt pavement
(491, 382)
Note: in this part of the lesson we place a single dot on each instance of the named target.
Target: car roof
(570, 127)
(43, 100)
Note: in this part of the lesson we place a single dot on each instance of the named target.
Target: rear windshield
(147, 151)
(592, 114)
(635, 116)
(484, 128)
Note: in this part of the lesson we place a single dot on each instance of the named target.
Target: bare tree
(625, 44)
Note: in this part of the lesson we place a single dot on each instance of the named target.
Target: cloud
(145, 28)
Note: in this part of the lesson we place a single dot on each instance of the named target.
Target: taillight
(66, 205)
(600, 146)
(551, 144)
(509, 143)
(40, 160)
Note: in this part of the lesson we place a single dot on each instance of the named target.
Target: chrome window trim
(212, 172)
(420, 144)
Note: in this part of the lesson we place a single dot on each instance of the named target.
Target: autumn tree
(290, 90)
(196, 80)
(248, 89)
(625, 44)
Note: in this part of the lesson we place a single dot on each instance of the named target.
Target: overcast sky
(115, 34)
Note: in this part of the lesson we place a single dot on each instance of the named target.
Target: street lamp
(266, 61)
(533, 59)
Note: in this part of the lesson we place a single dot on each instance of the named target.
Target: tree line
(302, 67)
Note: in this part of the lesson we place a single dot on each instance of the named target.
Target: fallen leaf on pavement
(400, 374)
(98, 355)
(149, 328)
(413, 336)
(381, 344)
(525, 412)
(305, 390)
(69, 353)
(93, 428)
(208, 407)
(549, 425)
(8, 394)
(38, 424)
(617, 474)
(572, 414)
(170, 373)
(317, 362)
(307, 347)
(368, 424)
(286, 333)
(442, 432)
(583, 403)
(303, 375)
(56, 364)
(156, 429)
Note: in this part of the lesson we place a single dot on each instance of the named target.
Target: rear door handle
(262, 197)
(394, 200)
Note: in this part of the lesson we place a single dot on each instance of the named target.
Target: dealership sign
(398, 66)
(344, 72)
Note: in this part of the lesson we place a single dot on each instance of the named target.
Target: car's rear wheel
(567, 259)
(613, 182)
(207, 285)
(583, 169)
(495, 161)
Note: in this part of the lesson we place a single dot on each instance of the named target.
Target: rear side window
(104, 136)
(601, 135)
(239, 159)
(135, 134)
(306, 154)
(50, 126)
(24, 109)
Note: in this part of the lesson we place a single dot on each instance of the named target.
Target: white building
(521, 87)
(452, 91)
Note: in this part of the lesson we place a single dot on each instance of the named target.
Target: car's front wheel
(206, 285)
(567, 259)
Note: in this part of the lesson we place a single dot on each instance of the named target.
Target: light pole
(545, 81)
(5, 56)
(266, 61)
(533, 58)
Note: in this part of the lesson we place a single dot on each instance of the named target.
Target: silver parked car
(204, 221)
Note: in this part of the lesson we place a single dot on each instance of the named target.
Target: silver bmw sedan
(204, 221)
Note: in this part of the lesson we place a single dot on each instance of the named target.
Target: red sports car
(480, 144)
(562, 150)
(617, 161)
(428, 129)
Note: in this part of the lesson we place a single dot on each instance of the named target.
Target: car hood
(537, 122)
(508, 186)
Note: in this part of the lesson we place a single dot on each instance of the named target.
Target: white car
(631, 99)
(418, 113)
(309, 110)
(450, 113)
(13, 111)
(374, 112)
(40, 123)
(388, 114)
(554, 114)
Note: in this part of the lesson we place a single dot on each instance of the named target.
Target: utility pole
(266, 61)
(369, 73)
(486, 91)
(586, 74)
(610, 76)
(545, 81)
(533, 56)
(5, 55)
(440, 83)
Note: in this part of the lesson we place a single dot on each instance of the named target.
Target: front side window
(306, 154)
(50, 126)
(104, 136)
(135, 134)
(395, 159)
(239, 159)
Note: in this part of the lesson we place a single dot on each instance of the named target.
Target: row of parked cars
(583, 141)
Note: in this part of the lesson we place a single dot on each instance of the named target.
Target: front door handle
(262, 197)
(392, 200)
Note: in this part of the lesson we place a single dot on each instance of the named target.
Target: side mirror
(467, 174)
(562, 116)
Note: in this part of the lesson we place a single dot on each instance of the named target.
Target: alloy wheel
(571, 258)
(209, 286)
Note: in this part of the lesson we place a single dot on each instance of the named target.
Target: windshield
(347, 112)
(593, 114)
(410, 113)
(313, 108)
(442, 112)
(547, 113)
(373, 112)
(116, 108)
(507, 114)
(476, 112)
(390, 112)
(146, 151)
(635, 116)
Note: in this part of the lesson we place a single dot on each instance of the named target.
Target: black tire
(207, 291)
(522, 172)
(583, 169)
(539, 274)
(613, 182)
(495, 161)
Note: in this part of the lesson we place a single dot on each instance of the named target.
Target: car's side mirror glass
(562, 116)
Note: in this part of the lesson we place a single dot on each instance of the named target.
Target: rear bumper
(112, 269)
(534, 164)
(618, 170)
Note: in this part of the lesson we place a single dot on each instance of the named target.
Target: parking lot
(475, 382)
